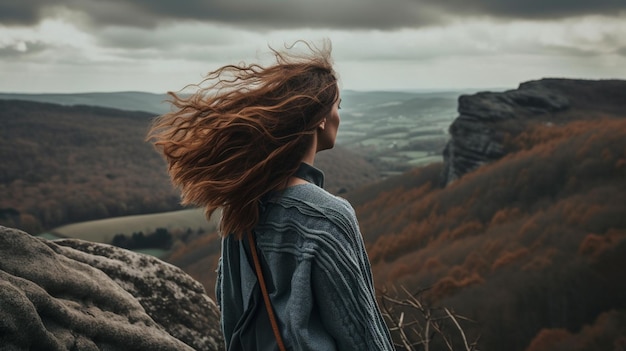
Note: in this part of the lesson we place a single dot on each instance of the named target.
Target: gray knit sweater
(317, 274)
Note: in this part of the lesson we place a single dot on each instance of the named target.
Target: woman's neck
(309, 158)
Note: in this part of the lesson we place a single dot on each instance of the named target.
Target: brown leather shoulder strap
(266, 297)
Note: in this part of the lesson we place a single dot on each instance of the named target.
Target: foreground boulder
(76, 295)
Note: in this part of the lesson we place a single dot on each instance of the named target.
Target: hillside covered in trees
(531, 247)
(67, 164)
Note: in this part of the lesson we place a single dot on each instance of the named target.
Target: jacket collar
(310, 174)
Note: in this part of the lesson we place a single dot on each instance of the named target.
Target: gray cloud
(531, 9)
(22, 49)
(269, 13)
(22, 12)
(300, 13)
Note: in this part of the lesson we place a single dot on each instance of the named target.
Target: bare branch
(417, 325)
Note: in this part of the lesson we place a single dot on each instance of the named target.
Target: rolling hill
(69, 164)
(124, 100)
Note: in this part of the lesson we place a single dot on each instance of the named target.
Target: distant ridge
(123, 100)
(157, 103)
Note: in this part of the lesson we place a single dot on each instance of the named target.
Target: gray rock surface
(475, 136)
(75, 295)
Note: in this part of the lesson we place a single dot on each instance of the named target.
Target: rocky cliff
(477, 136)
(77, 295)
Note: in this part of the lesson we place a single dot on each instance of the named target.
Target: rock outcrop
(476, 137)
(76, 295)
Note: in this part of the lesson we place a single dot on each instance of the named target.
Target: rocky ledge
(76, 295)
(476, 136)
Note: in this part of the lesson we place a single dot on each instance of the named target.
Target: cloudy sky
(161, 45)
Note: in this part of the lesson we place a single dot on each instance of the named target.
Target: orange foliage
(505, 215)
(466, 229)
(530, 226)
(492, 247)
(398, 271)
(539, 262)
(548, 339)
(594, 245)
(447, 286)
(607, 332)
(458, 273)
(476, 263)
(541, 134)
(433, 265)
(509, 257)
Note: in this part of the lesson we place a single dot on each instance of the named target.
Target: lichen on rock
(76, 295)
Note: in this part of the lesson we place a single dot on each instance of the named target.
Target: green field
(104, 230)
(401, 130)
(414, 154)
(426, 160)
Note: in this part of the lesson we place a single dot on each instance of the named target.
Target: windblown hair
(245, 133)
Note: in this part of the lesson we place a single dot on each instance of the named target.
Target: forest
(531, 247)
(69, 164)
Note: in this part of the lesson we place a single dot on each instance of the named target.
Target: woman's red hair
(246, 132)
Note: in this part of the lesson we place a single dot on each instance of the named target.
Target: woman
(246, 143)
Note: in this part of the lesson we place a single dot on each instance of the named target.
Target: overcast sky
(160, 45)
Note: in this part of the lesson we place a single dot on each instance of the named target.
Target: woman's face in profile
(328, 135)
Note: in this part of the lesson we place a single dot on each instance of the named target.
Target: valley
(397, 131)
(86, 178)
